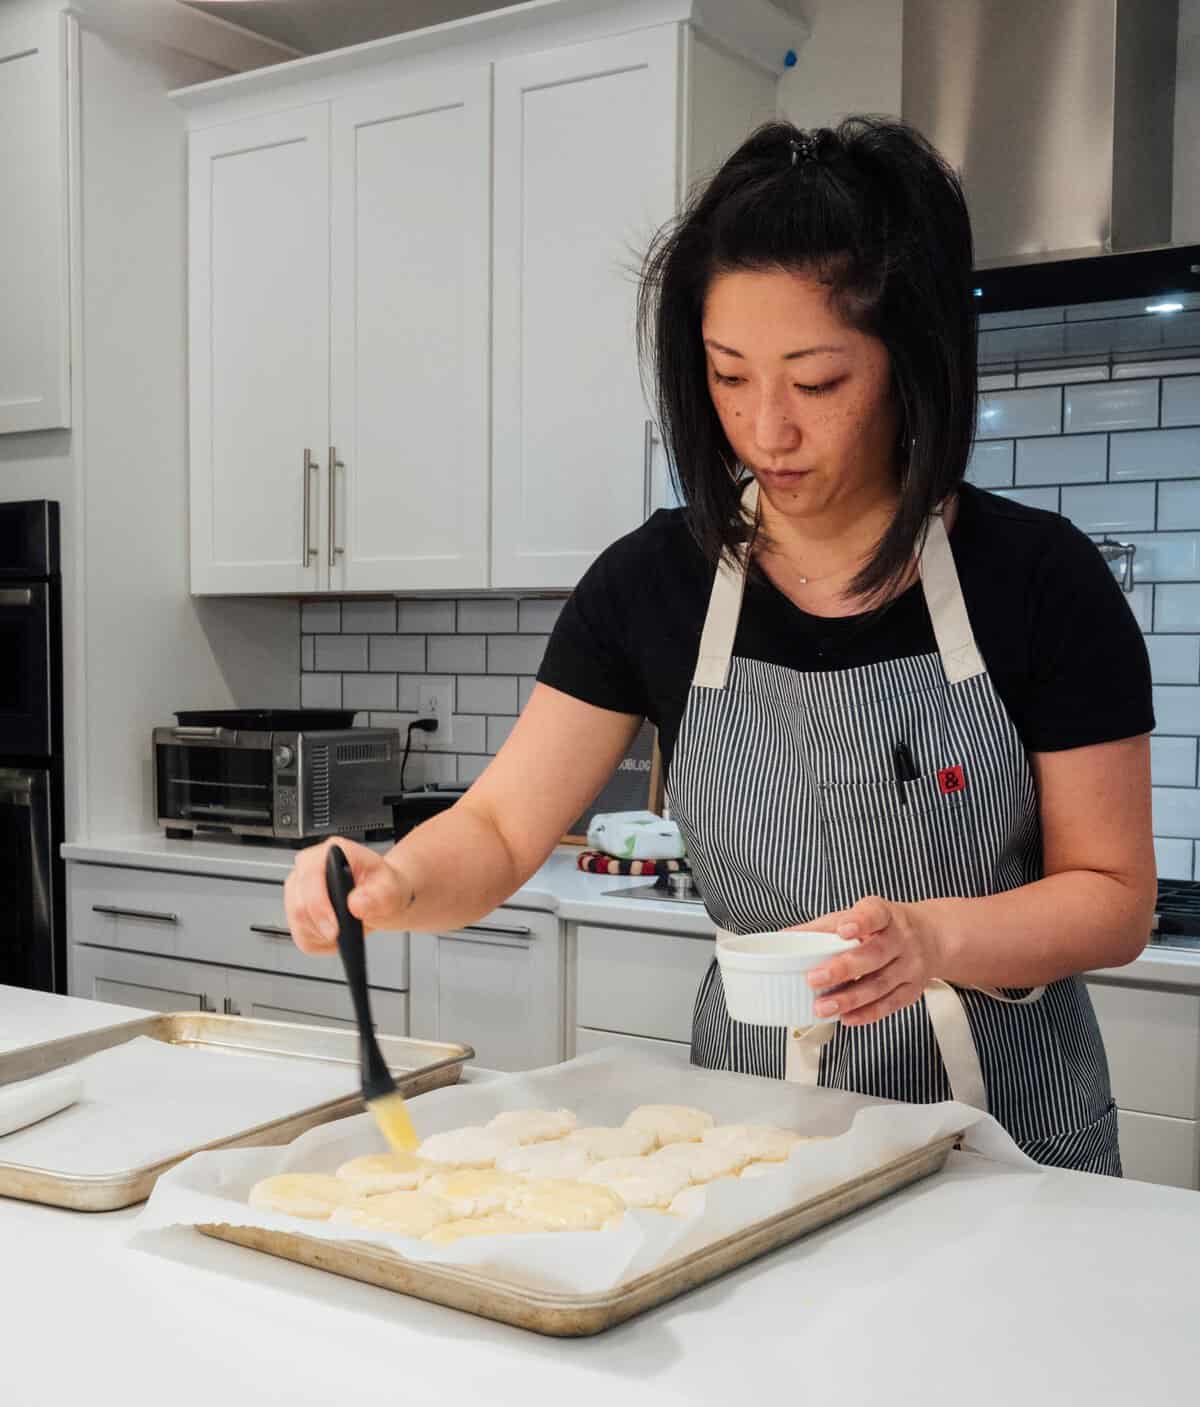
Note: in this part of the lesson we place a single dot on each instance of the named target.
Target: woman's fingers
(896, 1000)
(864, 992)
(873, 954)
(310, 914)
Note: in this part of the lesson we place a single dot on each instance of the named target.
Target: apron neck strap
(939, 580)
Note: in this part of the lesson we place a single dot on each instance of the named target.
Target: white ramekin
(766, 975)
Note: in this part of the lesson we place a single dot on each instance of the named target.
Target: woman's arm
(461, 864)
(1093, 908)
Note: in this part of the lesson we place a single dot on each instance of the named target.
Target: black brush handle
(339, 880)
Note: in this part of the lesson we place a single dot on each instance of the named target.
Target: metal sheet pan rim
(567, 1315)
(110, 1191)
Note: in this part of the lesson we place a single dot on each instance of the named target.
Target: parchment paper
(602, 1088)
(146, 1100)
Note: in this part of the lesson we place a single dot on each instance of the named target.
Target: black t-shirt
(1056, 633)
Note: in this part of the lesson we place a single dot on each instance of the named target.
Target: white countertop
(559, 887)
(984, 1284)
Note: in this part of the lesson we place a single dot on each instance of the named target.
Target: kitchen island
(986, 1284)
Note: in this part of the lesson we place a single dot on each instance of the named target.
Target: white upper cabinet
(411, 219)
(585, 173)
(35, 388)
(259, 350)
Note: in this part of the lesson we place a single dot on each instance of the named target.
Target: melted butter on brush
(391, 1114)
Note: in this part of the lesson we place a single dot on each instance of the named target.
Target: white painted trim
(753, 29)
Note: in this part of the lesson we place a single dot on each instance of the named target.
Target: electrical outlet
(435, 700)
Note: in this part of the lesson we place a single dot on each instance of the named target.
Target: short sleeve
(1089, 672)
(589, 654)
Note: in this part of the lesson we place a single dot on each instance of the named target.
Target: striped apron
(782, 782)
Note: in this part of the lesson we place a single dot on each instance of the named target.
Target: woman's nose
(774, 432)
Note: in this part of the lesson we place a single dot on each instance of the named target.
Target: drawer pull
(134, 913)
(228, 1007)
(270, 930)
(502, 930)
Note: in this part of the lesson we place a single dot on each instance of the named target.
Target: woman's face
(805, 400)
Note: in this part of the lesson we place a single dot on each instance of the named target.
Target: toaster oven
(285, 775)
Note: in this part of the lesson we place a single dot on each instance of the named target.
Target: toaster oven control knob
(284, 756)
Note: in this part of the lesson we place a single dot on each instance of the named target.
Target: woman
(888, 702)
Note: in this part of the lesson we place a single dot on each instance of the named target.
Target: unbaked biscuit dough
(474, 1191)
(553, 1159)
(533, 1125)
(703, 1162)
(753, 1170)
(464, 1148)
(600, 1143)
(558, 1205)
(385, 1172)
(761, 1143)
(671, 1123)
(498, 1224)
(404, 1213)
(314, 1196)
(640, 1182)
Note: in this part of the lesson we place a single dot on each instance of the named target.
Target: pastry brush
(379, 1090)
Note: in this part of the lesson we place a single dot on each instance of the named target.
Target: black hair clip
(803, 147)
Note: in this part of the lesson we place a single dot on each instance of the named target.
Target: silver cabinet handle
(134, 913)
(310, 463)
(647, 469)
(269, 930)
(204, 1004)
(228, 1007)
(334, 465)
(502, 930)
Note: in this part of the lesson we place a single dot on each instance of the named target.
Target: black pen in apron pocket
(905, 769)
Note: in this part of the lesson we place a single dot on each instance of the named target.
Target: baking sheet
(147, 1101)
(602, 1088)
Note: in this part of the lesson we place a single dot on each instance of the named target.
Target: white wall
(1186, 194)
(850, 63)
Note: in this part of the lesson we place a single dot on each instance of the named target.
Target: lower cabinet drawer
(1158, 1149)
(1153, 1043)
(642, 984)
(202, 918)
(587, 1040)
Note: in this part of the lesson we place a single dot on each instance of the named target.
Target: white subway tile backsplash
(369, 617)
(399, 654)
(991, 464)
(1176, 710)
(341, 652)
(1033, 498)
(321, 617)
(1173, 762)
(1177, 812)
(526, 688)
(498, 730)
(468, 733)
(369, 691)
(1196, 862)
(424, 617)
(1007, 413)
(1179, 504)
(306, 652)
(1117, 405)
(320, 691)
(1174, 659)
(515, 654)
(431, 769)
(1057, 459)
(1062, 375)
(487, 617)
(406, 694)
(1141, 602)
(1160, 366)
(1020, 317)
(1181, 330)
(471, 768)
(1166, 556)
(488, 693)
(1110, 507)
(1015, 343)
(1177, 608)
(538, 617)
(997, 380)
(1125, 307)
(458, 654)
(1181, 400)
(1173, 858)
(1104, 335)
(1155, 454)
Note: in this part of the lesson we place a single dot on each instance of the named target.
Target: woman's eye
(725, 380)
(822, 390)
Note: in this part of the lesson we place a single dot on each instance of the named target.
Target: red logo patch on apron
(951, 779)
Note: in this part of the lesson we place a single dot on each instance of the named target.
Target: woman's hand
(899, 954)
(382, 892)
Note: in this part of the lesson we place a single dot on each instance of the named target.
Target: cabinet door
(496, 985)
(270, 997)
(411, 171)
(34, 307)
(585, 173)
(258, 247)
(153, 983)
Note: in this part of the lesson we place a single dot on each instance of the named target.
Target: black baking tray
(268, 720)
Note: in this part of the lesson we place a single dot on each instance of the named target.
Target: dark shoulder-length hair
(871, 209)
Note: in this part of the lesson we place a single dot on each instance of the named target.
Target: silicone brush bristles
(391, 1114)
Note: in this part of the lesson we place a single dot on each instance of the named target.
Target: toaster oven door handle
(270, 930)
(216, 735)
(500, 930)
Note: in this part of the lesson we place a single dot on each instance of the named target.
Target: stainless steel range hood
(1059, 116)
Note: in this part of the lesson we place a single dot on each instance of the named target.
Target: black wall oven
(32, 903)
